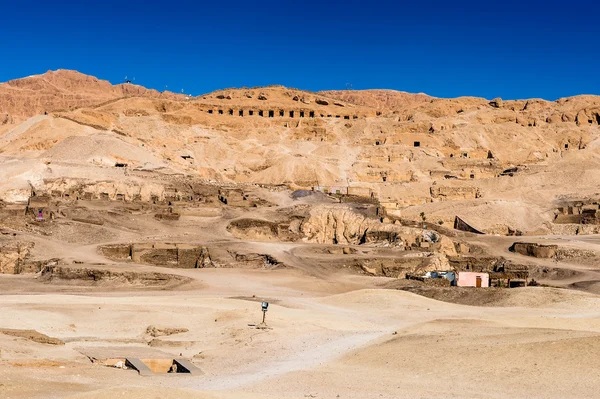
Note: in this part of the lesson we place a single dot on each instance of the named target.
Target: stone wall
(535, 250)
(15, 258)
(447, 192)
(185, 256)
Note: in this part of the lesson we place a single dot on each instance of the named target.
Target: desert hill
(414, 153)
(63, 90)
(379, 99)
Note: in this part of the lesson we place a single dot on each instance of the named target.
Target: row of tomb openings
(271, 113)
(311, 114)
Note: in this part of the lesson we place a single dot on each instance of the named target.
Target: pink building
(472, 279)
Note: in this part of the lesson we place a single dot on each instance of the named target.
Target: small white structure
(473, 279)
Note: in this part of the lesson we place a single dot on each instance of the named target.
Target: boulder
(496, 102)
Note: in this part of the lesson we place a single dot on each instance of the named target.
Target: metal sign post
(265, 306)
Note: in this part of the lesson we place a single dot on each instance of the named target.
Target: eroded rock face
(335, 225)
(343, 225)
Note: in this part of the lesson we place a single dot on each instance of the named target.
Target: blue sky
(512, 49)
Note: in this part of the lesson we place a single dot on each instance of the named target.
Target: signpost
(265, 306)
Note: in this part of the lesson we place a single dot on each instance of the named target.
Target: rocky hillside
(379, 99)
(503, 166)
(63, 90)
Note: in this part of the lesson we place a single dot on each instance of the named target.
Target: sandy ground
(332, 333)
(361, 343)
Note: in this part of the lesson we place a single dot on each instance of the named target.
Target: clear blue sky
(509, 48)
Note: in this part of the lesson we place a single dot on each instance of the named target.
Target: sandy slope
(361, 344)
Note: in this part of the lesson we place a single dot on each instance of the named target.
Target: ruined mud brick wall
(446, 192)
(116, 251)
(376, 174)
(13, 257)
(188, 255)
(475, 264)
(13, 210)
(153, 189)
(535, 250)
(263, 230)
(160, 254)
(399, 267)
(234, 198)
(360, 191)
(430, 282)
(167, 216)
(578, 212)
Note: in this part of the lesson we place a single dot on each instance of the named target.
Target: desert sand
(152, 225)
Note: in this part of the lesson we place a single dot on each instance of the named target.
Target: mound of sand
(31, 335)
(103, 149)
(530, 297)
